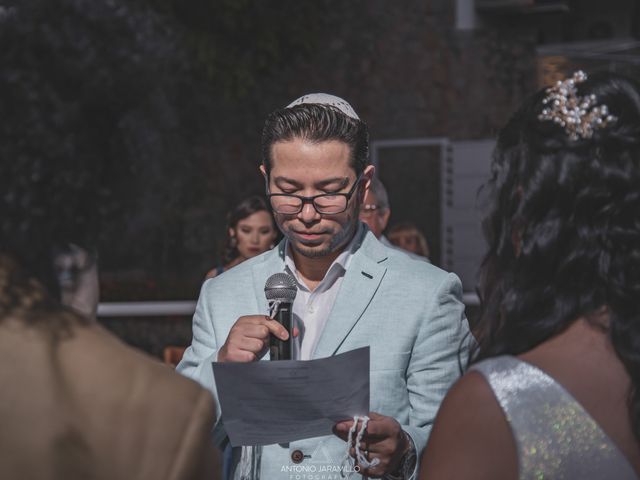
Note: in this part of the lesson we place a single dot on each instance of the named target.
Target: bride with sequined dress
(553, 390)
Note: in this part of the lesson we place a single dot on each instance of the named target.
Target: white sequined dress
(555, 437)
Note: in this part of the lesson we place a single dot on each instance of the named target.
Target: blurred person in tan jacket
(76, 402)
(79, 404)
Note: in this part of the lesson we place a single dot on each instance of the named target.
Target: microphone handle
(282, 349)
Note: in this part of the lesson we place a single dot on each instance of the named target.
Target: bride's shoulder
(471, 426)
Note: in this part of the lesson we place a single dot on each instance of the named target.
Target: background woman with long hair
(250, 232)
(554, 386)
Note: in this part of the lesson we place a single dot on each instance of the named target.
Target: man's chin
(310, 250)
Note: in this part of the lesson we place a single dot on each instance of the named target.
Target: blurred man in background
(375, 212)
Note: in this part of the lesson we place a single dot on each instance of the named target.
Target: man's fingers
(252, 320)
(253, 345)
(248, 356)
(255, 331)
(374, 471)
(238, 355)
(380, 426)
(341, 429)
(253, 326)
(249, 338)
(276, 329)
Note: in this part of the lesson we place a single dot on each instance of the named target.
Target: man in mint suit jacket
(410, 313)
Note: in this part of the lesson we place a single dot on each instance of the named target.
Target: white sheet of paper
(278, 402)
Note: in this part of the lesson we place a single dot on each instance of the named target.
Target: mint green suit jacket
(407, 311)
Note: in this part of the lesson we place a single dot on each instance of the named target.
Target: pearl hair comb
(579, 116)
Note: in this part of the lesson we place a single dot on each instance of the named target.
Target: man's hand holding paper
(265, 403)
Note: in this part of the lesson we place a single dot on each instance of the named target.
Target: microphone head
(281, 286)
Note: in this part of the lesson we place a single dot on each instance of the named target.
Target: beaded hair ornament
(578, 115)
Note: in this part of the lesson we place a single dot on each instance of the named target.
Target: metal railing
(186, 308)
(146, 309)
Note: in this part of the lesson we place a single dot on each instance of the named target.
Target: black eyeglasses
(325, 203)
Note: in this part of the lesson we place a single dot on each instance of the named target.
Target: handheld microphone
(280, 291)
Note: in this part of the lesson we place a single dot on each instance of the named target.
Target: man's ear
(367, 175)
(263, 170)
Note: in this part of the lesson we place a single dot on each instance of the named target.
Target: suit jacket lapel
(361, 281)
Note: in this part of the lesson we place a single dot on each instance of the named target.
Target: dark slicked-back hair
(563, 228)
(316, 123)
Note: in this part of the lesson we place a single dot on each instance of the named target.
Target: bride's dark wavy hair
(563, 227)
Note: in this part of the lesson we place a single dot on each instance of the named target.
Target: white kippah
(326, 99)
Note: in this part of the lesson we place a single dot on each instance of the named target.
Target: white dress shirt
(311, 308)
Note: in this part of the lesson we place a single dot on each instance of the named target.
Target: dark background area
(175, 93)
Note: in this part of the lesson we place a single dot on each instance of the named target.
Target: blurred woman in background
(250, 232)
(407, 237)
(554, 387)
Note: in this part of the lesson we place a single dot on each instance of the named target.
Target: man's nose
(308, 213)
